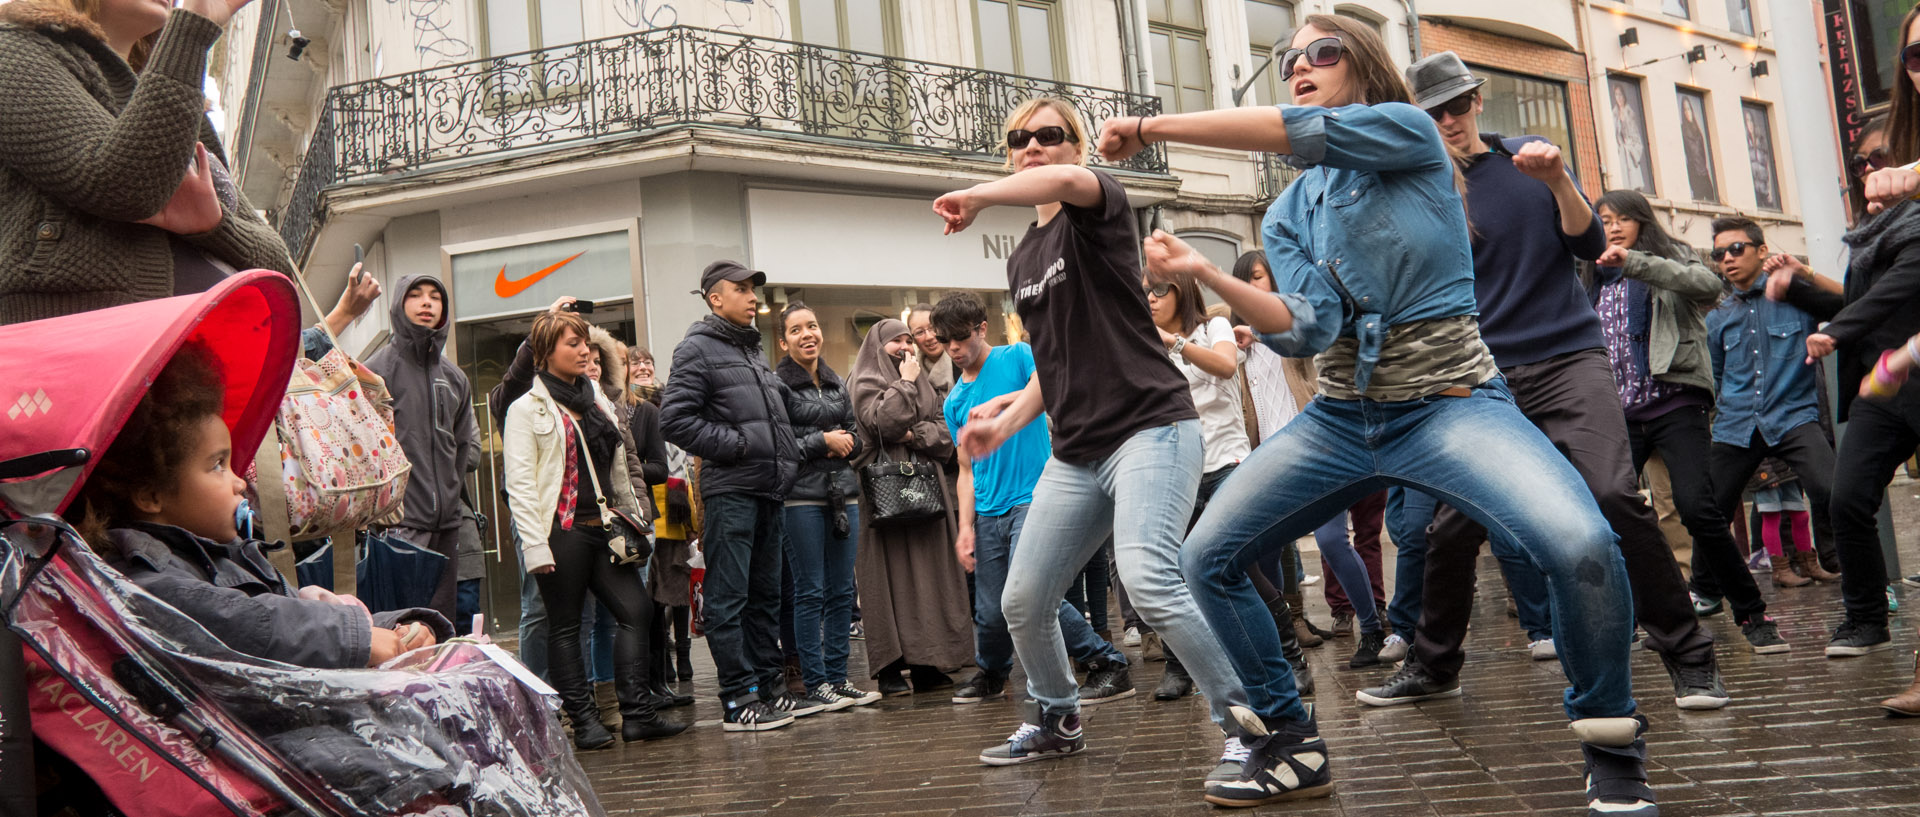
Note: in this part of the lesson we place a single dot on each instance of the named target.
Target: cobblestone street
(1802, 736)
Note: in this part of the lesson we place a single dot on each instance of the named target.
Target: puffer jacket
(814, 410)
(1683, 292)
(432, 411)
(233, 591)
(534, 460)
(722, 404)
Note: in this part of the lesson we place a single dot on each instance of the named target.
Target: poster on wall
(1694, 138)
(1766, 181)
(1630, 131)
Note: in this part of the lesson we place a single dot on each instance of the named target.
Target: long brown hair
(1903, 121)
(1191, 307)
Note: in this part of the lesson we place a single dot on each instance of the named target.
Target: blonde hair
(1076, 127)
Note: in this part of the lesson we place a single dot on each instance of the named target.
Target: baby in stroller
(163, 501)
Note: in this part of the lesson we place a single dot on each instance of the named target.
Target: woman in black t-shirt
(1127, 444)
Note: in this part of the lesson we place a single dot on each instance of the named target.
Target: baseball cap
(728, 271)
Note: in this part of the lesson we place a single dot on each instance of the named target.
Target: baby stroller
(159, 714)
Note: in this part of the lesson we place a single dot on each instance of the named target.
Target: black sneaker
(828, 697)
(754, 717)
(1852, 638)
(1106, 681)
(1764, 636)
(1286, 761)
(796, 705)
(859, 697)
(979, 688)
(1411, 684)
(1696, 686)
(1367, 653)
(1616, 769)
(1041, 736)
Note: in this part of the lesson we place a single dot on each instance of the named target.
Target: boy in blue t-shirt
(994, 493)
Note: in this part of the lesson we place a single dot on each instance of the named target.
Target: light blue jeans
(1477, 453)
(1143, 494)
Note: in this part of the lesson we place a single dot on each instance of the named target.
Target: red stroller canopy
(68, 384)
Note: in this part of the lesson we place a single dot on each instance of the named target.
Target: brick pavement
(1802, 736)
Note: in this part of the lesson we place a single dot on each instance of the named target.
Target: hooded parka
(432, 411)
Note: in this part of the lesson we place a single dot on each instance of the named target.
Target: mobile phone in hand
(582, 307)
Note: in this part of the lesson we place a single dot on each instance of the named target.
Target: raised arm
(1389, 136)
(1052, 184)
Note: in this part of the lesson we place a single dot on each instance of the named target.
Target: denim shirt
(1376, 215)
(1759, 350)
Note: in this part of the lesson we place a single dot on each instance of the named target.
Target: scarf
(602, 438)
(874, 371)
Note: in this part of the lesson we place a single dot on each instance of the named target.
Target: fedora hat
(1439, 78)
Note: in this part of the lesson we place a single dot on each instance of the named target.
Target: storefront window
(1520, 105)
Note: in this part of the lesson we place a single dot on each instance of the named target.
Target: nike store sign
(529, 277)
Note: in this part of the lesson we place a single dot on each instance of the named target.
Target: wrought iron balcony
(635, 85)
(1275, 175)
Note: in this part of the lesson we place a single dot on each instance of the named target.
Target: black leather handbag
(901, 491)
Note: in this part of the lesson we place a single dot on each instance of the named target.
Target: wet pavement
(1802, 736)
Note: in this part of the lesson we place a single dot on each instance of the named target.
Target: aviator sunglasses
(1456, 107)
(1736, 249)
(1049, 136)
(1860, 165)
(1320, 54)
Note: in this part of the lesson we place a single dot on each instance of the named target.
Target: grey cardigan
(88, 149)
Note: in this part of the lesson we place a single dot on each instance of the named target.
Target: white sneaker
(1394, 649)
(1542, 650)
(1310, 581)
(1131, 638)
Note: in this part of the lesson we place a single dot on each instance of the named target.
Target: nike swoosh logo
(507, 289)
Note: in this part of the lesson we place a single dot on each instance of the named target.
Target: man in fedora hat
(1529, 223)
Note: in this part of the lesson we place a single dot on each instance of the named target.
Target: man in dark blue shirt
(1769, 400)
(1529, 223)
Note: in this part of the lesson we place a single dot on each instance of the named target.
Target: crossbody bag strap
(593, 474)
(269, 483)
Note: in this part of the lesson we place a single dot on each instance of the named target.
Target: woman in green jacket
(113, 184)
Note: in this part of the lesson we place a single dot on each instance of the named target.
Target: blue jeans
(822, 569)
(1143, 494)
(1478, 454)
(1408, 515)
(993, 545)
(741, 613)
(533, 617)
(1349, 569)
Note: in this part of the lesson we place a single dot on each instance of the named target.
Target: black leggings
(581, 564)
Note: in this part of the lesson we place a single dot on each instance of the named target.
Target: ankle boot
(576, 699)
(1906, 703)
(660, 668)
(639, 717)
(683, 642)
(1809, 564)
(1302, 629)
(1783, 575)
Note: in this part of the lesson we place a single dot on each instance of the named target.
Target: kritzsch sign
(878, 241)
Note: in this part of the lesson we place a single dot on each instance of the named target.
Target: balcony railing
(1275, 175)
(635, 85)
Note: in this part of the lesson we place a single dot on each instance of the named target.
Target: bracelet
(1178, 344)
(1139, 128)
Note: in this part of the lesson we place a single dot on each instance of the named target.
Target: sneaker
(1764, 636)
(1052, 736)
(857, 631)
(1287, 761)
(979, 688)
(859, 697)
(1616, 767)
(754, 717)
(1703, 606)
(1542, 649)
(1912, 581)
(1106, 681)
(1696, 686)
(1233, 759)
(828, 696)
(1367, 652)
(1343, 625)
(1393, 649)
(1411, 684)
(1309, 581)
(1852, 638)
(1893, 601)
(1132, 637)
(798, 706)
(1151, 648)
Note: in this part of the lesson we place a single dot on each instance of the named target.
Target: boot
(1906, 703)
(660, 668)
(608, 703)
(1176, 684)
(1809, 564)
(1783, 575)
(683, 642)
(639, 719)
(1290, 625)
(791, 673)
(1290, 647)
(1310, 635)
(576, 699)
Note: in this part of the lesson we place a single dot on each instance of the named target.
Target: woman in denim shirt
(1369, 251)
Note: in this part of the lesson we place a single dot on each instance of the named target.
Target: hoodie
(432, 411)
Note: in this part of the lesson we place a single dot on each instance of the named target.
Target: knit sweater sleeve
(244, 240)
(69, 146)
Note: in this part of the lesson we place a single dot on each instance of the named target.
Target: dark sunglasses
(1159, 290)
(1910, 57)
(1736, 249)
(1049, 136)
(1457, 106)
(943, 339)
(1860, 165)
(1320, 54)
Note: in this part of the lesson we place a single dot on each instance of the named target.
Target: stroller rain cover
(163, 716)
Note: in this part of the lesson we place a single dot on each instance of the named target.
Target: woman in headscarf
(913, 594)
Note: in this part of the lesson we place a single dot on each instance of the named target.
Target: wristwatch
(1178, 344)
